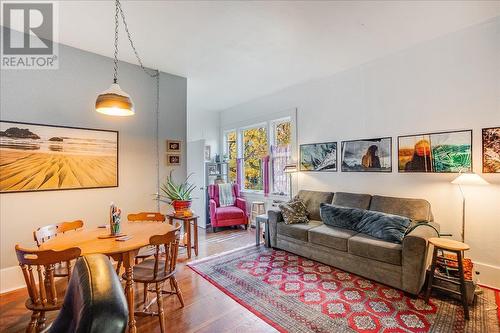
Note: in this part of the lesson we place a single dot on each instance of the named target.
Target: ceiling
(233, 52)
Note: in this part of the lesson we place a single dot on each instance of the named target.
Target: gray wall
(449, 83)
(66, 97)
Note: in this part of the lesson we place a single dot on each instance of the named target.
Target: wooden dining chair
(159, 270)
(43, 234)
(148, 251)
(38, 271)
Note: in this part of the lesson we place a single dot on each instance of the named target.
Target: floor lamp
(290, 169)
(467, 179)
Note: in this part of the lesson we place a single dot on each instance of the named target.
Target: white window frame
(268, 121)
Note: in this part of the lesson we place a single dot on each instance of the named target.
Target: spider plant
(171, 191)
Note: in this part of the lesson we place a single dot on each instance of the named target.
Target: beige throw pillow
(294, 212)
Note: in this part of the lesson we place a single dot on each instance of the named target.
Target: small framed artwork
(318, 157)
(367, 155)
(442, 152)
(207, 153)
(491, 150)
(173, 159)
(174, 146)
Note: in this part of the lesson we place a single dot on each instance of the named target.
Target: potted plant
(178, 195)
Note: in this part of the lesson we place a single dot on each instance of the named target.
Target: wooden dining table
(88, 241)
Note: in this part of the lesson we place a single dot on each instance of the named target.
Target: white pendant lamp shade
(114, 102)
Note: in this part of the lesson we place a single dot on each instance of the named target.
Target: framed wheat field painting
(491, 150)
(368, 155)
(318, 157)
(36, 157)
(441, 152)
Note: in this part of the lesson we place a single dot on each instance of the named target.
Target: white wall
(66, 97)
(204, 126)
(445, 84)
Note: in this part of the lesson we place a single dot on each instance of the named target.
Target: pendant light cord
(151, 73)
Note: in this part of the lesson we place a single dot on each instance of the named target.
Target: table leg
(257, 232)
(187, 229)
(195, 230)
(128, 263)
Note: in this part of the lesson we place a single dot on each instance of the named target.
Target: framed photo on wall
(318, 157)
(208, 155)
(36, 157)
(440, 152)
(174, 146)
(173, 159)
(491, 150)
(367, 155)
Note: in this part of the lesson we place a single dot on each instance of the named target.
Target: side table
(187, 229)
(448, 245)
(258, 220)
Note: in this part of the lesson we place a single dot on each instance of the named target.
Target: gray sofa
(401, 266)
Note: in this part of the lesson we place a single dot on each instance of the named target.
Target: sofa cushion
(335, 238)
(294, 212)
(229, 212)
(341, 217)
(354, 200)
(297, 231)
(312, 200)
(376, 249)
(419, 210)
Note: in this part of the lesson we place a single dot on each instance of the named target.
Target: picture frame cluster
(433, 152)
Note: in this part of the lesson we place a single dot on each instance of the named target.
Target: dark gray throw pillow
(339, 216)
(388, 227)
(294, 212)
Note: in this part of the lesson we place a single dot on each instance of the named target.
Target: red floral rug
(294, 294)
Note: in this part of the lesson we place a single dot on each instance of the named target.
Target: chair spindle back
(42, 288)
(170, 242)
(146, 216)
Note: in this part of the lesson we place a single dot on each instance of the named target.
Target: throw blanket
(226, 197)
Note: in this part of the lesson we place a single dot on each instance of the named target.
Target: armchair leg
(214, 229)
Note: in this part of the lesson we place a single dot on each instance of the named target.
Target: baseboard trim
(489, 275)
(11, 278)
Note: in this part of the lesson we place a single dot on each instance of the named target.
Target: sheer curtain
(280, 156)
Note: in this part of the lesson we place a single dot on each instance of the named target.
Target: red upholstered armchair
(230, 215)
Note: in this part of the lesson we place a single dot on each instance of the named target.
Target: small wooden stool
(258, 208)
(453, 247)
(187, 229)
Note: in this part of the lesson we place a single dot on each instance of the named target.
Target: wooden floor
(207, 309)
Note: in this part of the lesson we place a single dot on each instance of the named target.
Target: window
(259, 151)
(254, 149)
(231, 154)
(281, 152)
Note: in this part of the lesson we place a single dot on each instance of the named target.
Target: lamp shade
(469, 179)
(290, 168)
(114, 102)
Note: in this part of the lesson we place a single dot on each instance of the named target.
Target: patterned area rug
(294, 294)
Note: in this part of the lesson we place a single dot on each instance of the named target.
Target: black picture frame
(117, 184)
(303, 146)
(486, 169)
(435, 133)
(361, 169)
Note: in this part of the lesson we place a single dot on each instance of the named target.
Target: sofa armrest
(416, 256)
(274, 217)
(241, 204)
(213, 209)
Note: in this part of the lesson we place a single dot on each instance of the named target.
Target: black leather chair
(94, 301)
